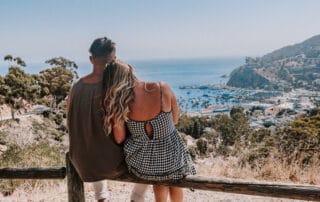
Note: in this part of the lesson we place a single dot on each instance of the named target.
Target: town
(263, 108)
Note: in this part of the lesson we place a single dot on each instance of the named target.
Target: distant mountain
(295, 66)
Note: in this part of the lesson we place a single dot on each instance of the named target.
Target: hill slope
(289, 67)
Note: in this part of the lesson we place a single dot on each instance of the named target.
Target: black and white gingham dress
(160, 158)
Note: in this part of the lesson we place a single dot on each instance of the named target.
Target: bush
(267, 124)
(202, 145)
(183, 137)
(258, 153)
(259, 136)
(193, 152)
(3, 136)
(58, 118)
(224, 150)
(57, 135)
(212, 136)
(193, 126)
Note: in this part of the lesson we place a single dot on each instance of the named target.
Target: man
(95, 155)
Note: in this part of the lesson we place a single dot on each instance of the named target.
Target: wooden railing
(76, 190)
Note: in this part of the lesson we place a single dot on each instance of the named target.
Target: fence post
(75, 184)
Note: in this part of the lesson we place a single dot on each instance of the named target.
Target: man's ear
(91, 59)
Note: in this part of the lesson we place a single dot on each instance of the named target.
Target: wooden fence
(76, 190)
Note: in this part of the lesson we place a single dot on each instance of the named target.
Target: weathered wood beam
(76, 191)
(278, 190)
(33, 173)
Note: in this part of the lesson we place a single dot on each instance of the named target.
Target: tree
(225, 125)
(196, 131)
(57, 80)
(232, 128)
(8, 58)
(18, 86)
(300, 140)
(65, 63)
(18, 60)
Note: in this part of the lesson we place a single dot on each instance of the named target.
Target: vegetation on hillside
(296, 66)
(297, 143)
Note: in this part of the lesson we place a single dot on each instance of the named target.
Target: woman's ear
(130, 67)
(113, 59)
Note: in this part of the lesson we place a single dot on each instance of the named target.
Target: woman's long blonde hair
(118, 83)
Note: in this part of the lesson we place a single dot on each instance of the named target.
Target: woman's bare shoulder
(165, 87)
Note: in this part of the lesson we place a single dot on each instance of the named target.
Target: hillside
(294, 66)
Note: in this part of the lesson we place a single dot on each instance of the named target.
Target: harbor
(263, 108)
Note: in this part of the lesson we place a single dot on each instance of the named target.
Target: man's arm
(68, 107)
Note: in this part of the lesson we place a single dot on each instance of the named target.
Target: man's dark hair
(102, 47)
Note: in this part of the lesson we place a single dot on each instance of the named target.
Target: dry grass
(271, 170)
(56, 190)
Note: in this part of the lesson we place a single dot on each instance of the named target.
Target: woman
(154, 150)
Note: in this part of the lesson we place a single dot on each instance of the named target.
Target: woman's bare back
(148, 102)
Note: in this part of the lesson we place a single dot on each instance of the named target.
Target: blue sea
(177, 73)
(181, 73)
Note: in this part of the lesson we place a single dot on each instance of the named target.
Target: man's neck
(96, 74)
(98, 70)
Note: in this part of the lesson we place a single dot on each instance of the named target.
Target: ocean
(177, 73)
(181, 73)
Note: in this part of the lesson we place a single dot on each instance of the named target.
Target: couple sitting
(105, 104)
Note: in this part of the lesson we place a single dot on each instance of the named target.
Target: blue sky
(145, 29)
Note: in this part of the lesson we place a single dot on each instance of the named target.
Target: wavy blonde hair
(118, 83)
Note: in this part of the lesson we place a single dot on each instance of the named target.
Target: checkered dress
(160, 158)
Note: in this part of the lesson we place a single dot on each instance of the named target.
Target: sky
(37, 30)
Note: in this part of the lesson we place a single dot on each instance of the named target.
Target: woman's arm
(175, 109)
(174, 103)
(119, 131)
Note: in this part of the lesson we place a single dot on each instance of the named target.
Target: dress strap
(160, 96)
